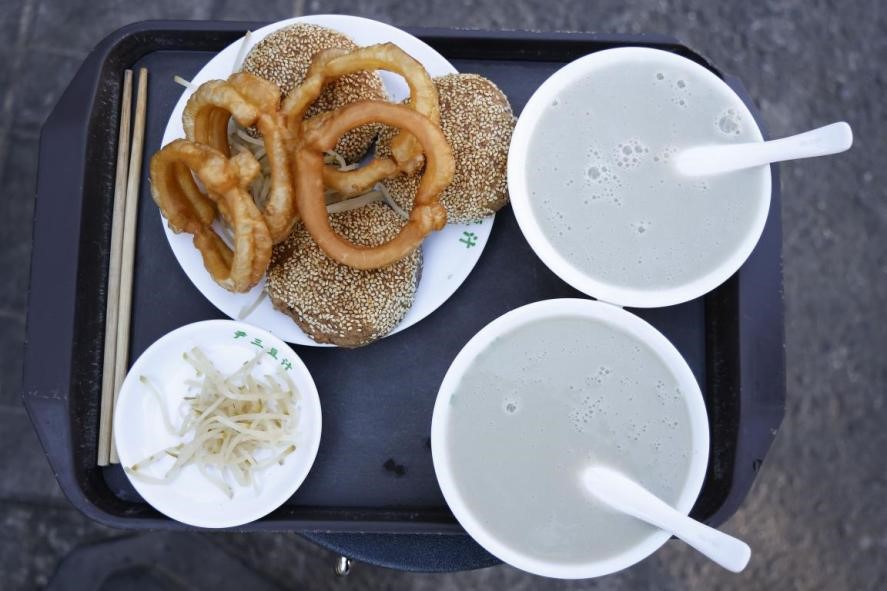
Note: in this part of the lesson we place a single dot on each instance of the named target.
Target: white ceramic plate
(449, 255)
(606, 314)
(139, 430)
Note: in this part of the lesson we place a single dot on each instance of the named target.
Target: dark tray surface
(376, 400)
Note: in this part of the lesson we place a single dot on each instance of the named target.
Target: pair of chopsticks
(120, 272)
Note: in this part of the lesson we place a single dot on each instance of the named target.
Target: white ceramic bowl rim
(517, 185)
(634, 326)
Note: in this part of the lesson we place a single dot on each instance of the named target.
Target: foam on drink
(604, 188)
(541, 403)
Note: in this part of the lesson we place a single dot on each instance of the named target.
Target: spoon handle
(822, 141)
(625, 495)
(707, 160)
(724, 549)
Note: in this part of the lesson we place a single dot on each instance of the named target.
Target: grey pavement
(816, 516)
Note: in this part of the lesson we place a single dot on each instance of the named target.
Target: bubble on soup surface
(728, 123)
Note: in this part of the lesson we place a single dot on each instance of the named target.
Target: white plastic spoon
(709, 160)
(618, 491)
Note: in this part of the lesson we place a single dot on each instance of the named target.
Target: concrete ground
(815, 517)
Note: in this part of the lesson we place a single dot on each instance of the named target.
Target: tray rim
(47, 401)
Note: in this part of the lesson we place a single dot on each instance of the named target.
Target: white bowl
(630, 324)
(139, 429)
(518, 169)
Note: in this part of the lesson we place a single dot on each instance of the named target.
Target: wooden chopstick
(127, 256)
(113, 293)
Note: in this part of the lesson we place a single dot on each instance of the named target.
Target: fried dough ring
(252, 101)
(188, 209)
(427, 214)
(333, 63)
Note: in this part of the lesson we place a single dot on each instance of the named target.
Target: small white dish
(632, 325)
(139, 430)
(448, 255)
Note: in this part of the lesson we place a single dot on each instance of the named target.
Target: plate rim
(311, 407)
(291, 332)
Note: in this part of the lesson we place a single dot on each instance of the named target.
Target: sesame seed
(477, 121)
(334, 303)
(283, 57)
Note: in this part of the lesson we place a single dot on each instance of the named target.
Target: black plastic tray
(377, 400)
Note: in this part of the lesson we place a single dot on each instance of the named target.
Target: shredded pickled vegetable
(240, 140)
(186, 83)
(386, 197)
(333, 157)
(354, 202)
(241, 53)
(250, 308)
(234, 425)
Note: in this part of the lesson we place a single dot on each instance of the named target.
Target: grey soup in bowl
(538, 395)
(595, 190)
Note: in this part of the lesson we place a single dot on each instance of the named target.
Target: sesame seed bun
(477, 121)
(334, 303)
(283, 57)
